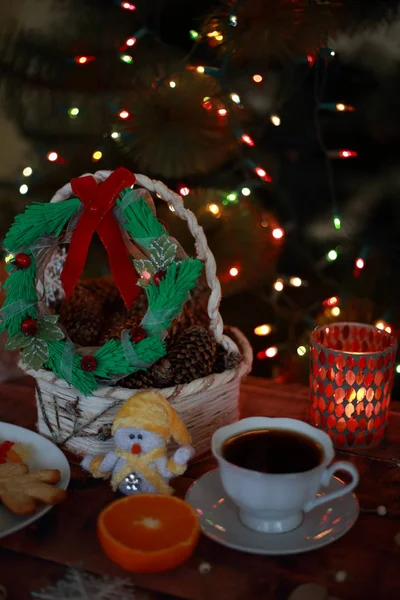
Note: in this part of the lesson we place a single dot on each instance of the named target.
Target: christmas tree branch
(39, 220)
(111, 359)
(83, 381)
(140, 220)
(166, 298)
(20, 284)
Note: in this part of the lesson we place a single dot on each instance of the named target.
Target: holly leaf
(144, 265)
(17, 341)
(36, 353)
(50, 332)
(163, 252)
(50, 318)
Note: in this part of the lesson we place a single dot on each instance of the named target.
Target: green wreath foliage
(49, 347)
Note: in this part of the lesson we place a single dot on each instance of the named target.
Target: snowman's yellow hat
(152, 412)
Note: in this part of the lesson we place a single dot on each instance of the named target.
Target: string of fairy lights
(331, 306)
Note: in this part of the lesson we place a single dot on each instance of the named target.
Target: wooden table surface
(66, 536)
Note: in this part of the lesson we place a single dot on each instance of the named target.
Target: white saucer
(219, 520)
(43, 454)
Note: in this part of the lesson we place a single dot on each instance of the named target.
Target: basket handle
(203, 252)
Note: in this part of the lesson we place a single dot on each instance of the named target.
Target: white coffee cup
(275, 503)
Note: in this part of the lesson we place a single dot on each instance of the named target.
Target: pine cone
(105, 290)
(137, 381)
(181, 323)
(119, 326)
(220, 356)
(162, 373)
(198, 302)
(225, 361)
(95, 312)
(82, 317)
(140, 305)
(233, 360)
(193, 354)
(122, 319)
(115, 319)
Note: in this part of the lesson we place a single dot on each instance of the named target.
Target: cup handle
(326, 477)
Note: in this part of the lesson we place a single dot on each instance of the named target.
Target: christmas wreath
(120, 216)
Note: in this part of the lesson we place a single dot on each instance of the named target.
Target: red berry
(138, 334)
(29, 327)
(158, 276)
(22, 261)
(88, 363)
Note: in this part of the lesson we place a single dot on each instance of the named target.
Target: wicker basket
(82, 424)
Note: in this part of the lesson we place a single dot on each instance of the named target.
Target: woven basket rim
(204, 383)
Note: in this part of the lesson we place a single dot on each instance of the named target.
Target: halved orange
(148, 532)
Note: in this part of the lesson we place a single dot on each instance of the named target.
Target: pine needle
(140, 220)
(39, 220)
(20, 283)
(174, 289)
(111, 359)
(83, 381)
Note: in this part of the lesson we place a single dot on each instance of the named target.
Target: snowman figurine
(142, 428)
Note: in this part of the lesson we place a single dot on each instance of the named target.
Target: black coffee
(273, 451)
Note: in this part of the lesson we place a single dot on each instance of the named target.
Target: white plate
(219, 520)
(43, 455)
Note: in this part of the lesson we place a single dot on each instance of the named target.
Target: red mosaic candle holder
(351, 378)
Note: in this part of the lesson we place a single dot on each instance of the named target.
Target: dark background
(300, 196)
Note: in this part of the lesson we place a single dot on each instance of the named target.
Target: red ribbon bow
(98, 201)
